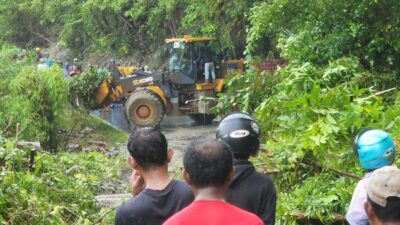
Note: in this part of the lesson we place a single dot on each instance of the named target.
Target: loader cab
(184, 64)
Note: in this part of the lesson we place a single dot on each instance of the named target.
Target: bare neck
(210, 193)
(156, 179)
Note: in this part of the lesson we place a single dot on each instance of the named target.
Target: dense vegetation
(56, 189)
(45, 185)
(123, 27)
(342, 76)
(343, 73)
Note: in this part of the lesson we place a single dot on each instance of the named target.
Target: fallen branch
(17, 134)
(27, 144)
(343, 173)
(98, 143)
(70, 170)
(69, 135)
(34, 146)
(301, 216)
(377, 94)
(8, 126)
(41, 36)
(104, 215)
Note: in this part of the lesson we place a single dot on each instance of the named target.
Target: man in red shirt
(208, 170)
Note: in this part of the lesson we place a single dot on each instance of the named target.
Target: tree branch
(8, 126)
(343, 173)
(104, 215)
(300, 216)
(41, 36)
(376, 94)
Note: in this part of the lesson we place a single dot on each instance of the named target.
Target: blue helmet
(374, 148)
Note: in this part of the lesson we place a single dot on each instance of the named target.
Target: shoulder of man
(131, 208)
(261, 179)
(123, 213)
(183, 189)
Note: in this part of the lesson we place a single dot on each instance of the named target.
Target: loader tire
(144, 109)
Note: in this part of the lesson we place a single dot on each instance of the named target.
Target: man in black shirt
(249, 189)
(162, 197)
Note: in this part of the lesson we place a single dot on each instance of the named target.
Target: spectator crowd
(222, 186)
(45, 61)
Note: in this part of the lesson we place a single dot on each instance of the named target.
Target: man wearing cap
(383, 191)
(39, 54)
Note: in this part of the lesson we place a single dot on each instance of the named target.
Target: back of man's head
(208, 163)
(148, 147)
(383, 191)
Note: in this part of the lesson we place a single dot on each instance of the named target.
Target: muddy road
(179, 131)
(178, 138)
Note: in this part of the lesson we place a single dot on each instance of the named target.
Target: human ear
(231, 174)
(186, 177)
(170, 153)
(132, 163)
(369, 211)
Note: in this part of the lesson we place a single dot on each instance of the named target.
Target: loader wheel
(202, 118)
(144, 109)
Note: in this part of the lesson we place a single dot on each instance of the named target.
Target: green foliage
(84, 86)
(38, 98)
(124, 27)
(78, 120)
(20, 22)
(243, 91)
(332, 195)
(12, 60)
(311, 120)
(117, 27)
(308, 116)
(46, 194)
(32, 98)
(319, 31)
(224, 20)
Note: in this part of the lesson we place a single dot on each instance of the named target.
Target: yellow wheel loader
(179, 89)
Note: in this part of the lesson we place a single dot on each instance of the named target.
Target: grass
(78, 120)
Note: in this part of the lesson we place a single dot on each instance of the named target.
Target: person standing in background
(249, 189)
(374, 149)
(156, 196)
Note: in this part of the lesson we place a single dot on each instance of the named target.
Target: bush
(84, 86)
(38, 99)
(46, 194)
(309, 116)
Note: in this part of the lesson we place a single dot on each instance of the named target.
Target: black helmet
(240, 132)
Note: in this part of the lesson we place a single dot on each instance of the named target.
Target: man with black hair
(383, 201)
(208, 169)
(249, 189)
(156, 195)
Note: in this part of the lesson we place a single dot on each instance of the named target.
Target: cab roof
(187, 38)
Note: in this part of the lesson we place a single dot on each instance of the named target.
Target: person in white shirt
(375, 149)
(42, 65)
